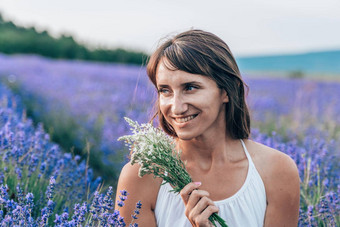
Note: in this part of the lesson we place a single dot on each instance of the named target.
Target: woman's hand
(198, 207)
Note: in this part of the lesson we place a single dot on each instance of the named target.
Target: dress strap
(250, 161)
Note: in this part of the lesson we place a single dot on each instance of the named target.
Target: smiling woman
(207, 55)
(201, 103)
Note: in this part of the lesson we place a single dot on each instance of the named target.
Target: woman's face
(192, 104)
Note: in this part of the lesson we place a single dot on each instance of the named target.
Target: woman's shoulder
(142, 188)
(277, 170)
(269, 159)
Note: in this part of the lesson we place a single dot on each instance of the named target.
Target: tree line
(17, 39)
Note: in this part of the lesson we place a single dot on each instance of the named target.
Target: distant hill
(313, 62)
(16, 39)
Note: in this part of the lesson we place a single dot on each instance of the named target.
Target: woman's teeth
(185, 119)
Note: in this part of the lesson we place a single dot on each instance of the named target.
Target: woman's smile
(185, 119)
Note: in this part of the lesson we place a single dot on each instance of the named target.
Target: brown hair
(203, 53)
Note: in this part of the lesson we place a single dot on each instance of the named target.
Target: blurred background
(79, 66)
(70, 71)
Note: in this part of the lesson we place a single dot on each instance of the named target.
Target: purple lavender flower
(79, 213)
(42, 167)
(62, 220)
(3, 193)
(124, 193)
(29, 201)
(139, 205)
(18, 172)
(20, 195)
(2, 177)
(120, 203)
(108, 200)
(7, 221)
(310, 213)
(10, 205)
(1, 215)
(50, 189)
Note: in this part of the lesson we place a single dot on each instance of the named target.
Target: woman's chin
(185, 136)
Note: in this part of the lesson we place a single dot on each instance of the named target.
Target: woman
(201, 102)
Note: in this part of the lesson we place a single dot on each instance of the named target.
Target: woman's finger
(203, 218)
(187, 190)
(198, 208)
(195, 197)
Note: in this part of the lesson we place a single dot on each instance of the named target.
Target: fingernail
(198, 183)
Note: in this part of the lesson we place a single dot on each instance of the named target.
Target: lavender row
(38, 181)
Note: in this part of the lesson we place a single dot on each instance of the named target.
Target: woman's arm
(143, 189)
(283, 192)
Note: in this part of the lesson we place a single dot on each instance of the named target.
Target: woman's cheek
(163, 103)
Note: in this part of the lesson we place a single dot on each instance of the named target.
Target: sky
(249, 27)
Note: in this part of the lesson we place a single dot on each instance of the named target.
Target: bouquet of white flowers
(156, 154)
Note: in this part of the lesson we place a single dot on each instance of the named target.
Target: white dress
(246, 208)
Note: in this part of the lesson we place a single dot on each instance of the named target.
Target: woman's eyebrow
(191, 82)
(162, 85)
(182, 84)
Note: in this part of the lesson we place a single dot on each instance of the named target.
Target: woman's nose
(179, 105)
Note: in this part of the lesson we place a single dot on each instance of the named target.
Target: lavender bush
(38, 181)
(303, 113)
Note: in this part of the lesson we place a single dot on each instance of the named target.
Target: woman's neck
(208, 152)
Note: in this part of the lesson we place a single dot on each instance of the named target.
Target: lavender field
(82, 101)
(86, 103)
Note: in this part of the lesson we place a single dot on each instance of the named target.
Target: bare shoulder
(282, 184)
(144, 189)
(270, 162)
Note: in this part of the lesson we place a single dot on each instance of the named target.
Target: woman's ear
(225, 97)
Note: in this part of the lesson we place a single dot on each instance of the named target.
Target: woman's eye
(190, 87)
(163, 90)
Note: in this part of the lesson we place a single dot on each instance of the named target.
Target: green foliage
(16, 39)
